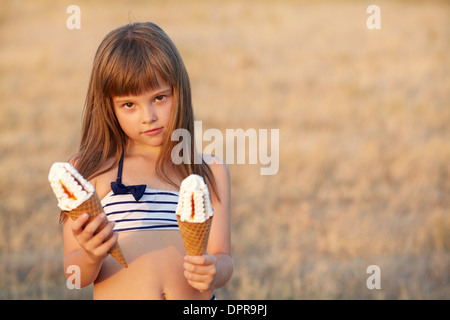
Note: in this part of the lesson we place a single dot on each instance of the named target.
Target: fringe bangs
(134, 67)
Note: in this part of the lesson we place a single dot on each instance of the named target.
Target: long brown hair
(129, 61)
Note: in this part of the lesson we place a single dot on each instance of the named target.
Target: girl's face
(144, 118)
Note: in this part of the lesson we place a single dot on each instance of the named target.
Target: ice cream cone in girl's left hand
(194, 214)
(77, 196)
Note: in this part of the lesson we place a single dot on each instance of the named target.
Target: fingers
(91, 228)
(104, 248)
(206, 259)
(198, 265)
(197, 276)
(200, 282)
(201, 285)
(102, 235)
(85, 230)
(77, 225)
(96, 236)
(200, 271)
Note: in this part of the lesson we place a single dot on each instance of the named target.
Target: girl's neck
(132, 149)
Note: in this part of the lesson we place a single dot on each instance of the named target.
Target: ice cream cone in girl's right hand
(77, 196)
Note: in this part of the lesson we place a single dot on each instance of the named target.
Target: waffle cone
(195, 236)
(94, 207)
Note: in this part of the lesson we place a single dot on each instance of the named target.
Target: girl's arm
(84, 249)
(213, 270)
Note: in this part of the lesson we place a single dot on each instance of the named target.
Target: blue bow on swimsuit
(137, 191)
(119, 188)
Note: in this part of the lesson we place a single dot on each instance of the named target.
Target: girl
(139, 93)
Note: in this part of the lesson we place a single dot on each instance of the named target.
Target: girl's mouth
(152, 132)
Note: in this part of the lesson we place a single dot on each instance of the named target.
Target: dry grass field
(364, 150)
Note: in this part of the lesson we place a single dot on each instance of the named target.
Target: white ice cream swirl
(69, 186)
(194, 204)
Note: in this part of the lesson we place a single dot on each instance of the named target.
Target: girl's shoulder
(211, 159)
(221, 174)
(218, 167)
(102, 182)
(214, 161)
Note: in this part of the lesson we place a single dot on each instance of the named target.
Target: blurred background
(364, 120)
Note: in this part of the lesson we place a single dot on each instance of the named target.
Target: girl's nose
(149, 114)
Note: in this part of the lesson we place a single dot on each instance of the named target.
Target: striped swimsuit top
(154, 210)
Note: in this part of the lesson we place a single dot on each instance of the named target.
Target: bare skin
(158, 265)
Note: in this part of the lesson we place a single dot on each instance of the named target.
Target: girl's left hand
(200, 271)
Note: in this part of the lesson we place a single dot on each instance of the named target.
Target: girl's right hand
(95, 242)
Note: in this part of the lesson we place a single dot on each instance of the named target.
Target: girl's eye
(128, 105)
(160, 98)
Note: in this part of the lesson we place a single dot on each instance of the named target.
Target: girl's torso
(151, 243)
(155, 269)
